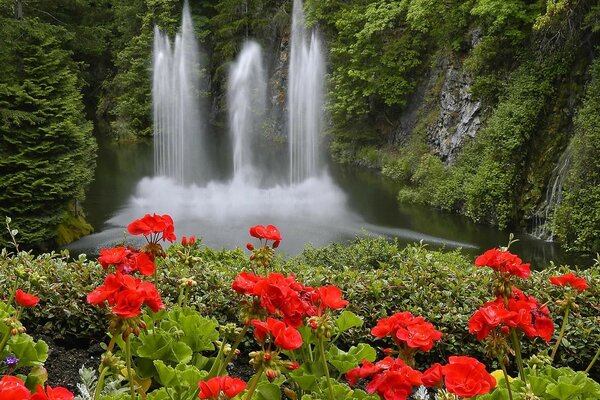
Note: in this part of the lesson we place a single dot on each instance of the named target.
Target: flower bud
(291, 365)
(267, 357)
(290, 393)
(388, 351)
(14, 332)
(271, 374)
(250, 246)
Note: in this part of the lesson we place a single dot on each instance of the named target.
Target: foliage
(578, 216)
(47, 153)
(376, 277)
(548, 382)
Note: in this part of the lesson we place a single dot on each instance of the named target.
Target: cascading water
(542, 222)
(246, 99)
(179, 151)
(305, 99)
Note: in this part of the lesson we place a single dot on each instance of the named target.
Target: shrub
(376, 277)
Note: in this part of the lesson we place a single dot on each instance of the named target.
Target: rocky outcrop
(458, 115)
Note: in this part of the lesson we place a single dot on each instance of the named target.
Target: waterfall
(246, 99)
(305, 99)
(543, 218)
(179, 151)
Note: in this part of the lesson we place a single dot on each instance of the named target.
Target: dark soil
(66, 357)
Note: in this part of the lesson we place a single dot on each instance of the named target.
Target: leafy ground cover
(179, 320)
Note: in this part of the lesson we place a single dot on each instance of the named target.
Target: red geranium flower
(58, 393)
(504, 262)
(329, 297)
(404, 327)
(159, 226)
(13, 388)
(270, 232)
(570, 279)
(391, 379)
(284, 337)
(126, 295)
(467, 377)
(432, 377)
(212, 388)
(26, 299)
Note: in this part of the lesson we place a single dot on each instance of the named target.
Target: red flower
(244, 283)
(419, 334)
(114, 256)
(13, 388)
(392, 378)
(126, 295)
(26, 299)
(571, 280)
(212, 388)
(283, 336)
(161, 226)
(467, 377)
(404, 327)
(269, 233)
(432, 377)
(58, 393)
(504, 262)
(489, 317)
(330, 297)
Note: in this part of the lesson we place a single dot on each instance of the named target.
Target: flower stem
(510, 396)
(234, 347)
(5, 340)
(562, 332)
(589, 367)
(129, 371)
(217, 365)
(517, 347)
(325, 366)
(254, 383)
(100, 384)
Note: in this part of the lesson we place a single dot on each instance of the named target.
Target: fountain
(246, 98)
(309, 207)
(305, 99)
(180, 148)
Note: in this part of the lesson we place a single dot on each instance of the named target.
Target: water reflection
(334, 207)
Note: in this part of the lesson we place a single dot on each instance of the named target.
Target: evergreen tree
(47, 152)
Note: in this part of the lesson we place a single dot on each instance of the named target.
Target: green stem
(12, 293)
(100, 384)
(234, 347)
(254, 383)
(562, 332)
(517, 347)
(505, 377)
(129, 372)
(5, 339)
(589, 367)
(216, 367)
(325, 366)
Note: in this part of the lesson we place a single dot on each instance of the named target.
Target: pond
(334, 207)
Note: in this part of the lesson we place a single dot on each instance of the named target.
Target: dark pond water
(341, 204)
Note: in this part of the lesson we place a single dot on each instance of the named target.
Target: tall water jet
(179, 151)
(305, 99)
(246, 99)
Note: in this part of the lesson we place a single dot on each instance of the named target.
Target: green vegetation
(578, 217)
(375, 275)
(47, 153)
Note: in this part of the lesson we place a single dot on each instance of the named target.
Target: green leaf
(347, 320)
(268, 391)
(563, 391)
(28, 352)
(161, 346)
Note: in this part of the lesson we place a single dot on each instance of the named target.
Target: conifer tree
(47, 152)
